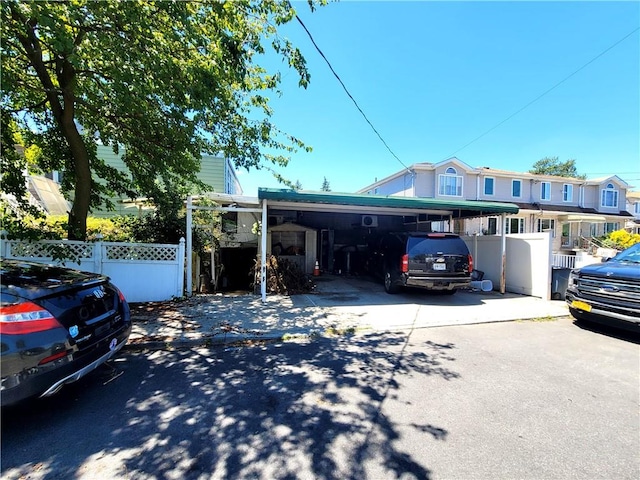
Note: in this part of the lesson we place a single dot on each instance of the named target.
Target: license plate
(439, 266)
(581, 305)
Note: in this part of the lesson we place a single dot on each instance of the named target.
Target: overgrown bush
(620, 239)
(151, 228)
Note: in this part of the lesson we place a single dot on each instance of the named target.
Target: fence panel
(144, 272)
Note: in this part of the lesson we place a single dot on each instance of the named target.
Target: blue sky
(434, 76)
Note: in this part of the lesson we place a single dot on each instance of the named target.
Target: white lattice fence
(140, 252)
(143, 271)
(49, 250)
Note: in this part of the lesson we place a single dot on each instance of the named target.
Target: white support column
(180, 258)
(98, 254)
(189, 253)
(214, 280)
(263, 246)
(503, 249)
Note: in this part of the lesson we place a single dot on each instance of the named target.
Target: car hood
(613, 269)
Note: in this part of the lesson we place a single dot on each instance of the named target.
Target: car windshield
(631, 255)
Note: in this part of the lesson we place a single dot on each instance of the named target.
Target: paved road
(508, 400)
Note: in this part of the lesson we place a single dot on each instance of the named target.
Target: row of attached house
(574, 210)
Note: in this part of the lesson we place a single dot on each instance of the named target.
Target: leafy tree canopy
(553, 166)
(160, 81)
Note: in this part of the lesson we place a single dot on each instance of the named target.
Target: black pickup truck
(608, 292)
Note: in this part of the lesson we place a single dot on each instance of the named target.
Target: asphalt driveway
(337, 304)
(541, 399)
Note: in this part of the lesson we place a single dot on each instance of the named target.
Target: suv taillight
(27, 317)
(470, 261)
(404, 264)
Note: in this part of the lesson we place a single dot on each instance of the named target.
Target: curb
(201, 342)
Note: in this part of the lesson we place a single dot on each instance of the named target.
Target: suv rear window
(432, 245)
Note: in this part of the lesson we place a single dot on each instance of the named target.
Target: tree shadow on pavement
(288, 410)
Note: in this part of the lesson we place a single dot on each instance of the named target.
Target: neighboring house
(633, 206)
(572, 209)
(44, 193)
(217, 172)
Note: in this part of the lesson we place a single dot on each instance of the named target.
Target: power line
(347, 91)
(547, 91)
(607, 173)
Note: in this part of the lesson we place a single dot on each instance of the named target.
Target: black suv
(434, 261)
(608, 292)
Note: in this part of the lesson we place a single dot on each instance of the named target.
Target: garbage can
(559, 282)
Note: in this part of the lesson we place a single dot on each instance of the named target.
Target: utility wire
(349, 94)
(547, 91)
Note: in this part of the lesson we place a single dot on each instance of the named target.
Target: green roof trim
(465, 208)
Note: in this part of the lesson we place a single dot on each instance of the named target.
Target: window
(636, 207)
(488, 185)
(611, 227)
(547, 225)
(609, 197)
(567, 192)
(230, 222)
(593, 230)
(450, 183)
(514, 225)
(492, 227)
(516, 188)
(545, 191)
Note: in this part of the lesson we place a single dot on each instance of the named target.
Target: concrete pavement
(337, 305)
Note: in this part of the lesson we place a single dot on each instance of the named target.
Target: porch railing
(563, 261)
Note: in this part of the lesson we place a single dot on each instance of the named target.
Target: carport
(342, 220)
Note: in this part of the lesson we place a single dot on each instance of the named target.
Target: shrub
(620, 239)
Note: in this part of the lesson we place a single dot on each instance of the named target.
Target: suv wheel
(389, 285)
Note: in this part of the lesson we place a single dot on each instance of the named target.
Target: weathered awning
(343, 202)
(576, 218)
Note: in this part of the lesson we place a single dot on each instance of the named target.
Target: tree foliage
(162, 82)
(325, 185)
(553, 166)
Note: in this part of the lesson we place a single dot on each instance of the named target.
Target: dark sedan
(56, 325)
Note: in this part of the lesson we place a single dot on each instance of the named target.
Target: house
(633, 206)
(217, 172)
(574, 210)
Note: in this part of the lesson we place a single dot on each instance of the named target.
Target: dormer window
(609, 196)
(450, 183)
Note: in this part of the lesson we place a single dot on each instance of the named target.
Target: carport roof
(331, 201)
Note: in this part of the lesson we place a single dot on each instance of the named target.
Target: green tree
(553, 166)
(325, 185)
(162, 82)
(297, 186)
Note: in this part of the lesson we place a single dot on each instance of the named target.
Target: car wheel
(389, 285)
